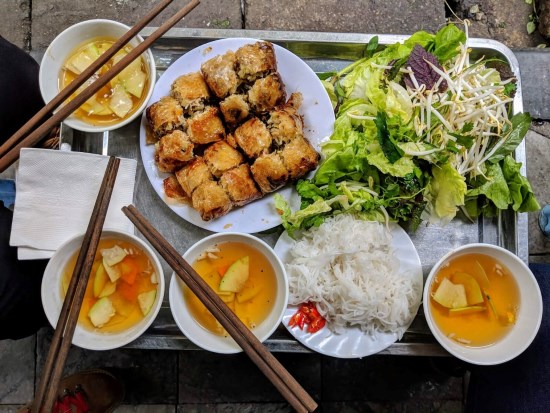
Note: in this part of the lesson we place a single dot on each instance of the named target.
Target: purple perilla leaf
(423, 71)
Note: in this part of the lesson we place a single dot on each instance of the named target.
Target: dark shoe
(100, 390)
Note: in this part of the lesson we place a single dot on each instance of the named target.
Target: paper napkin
(55, 195)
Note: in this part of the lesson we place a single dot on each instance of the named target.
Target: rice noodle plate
(349, 269)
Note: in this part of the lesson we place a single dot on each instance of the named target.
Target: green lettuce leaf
(329, 88)
(515, 134)
(495, 188)
(444, 193)
(400, 168)
(447, 42)
(522, 196)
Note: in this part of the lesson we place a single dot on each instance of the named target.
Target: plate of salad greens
(424, 131)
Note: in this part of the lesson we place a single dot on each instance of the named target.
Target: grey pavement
(194, 381)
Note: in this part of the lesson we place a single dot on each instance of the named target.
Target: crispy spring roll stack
(262, 148)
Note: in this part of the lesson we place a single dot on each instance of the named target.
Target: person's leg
(21, 311)
(20, 98)
(523, 384)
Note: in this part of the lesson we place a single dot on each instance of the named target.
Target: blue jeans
(523, 384)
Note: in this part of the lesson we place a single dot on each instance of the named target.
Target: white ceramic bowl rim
(49, 89)
(198, 334)
(529, 319)
(52, 301)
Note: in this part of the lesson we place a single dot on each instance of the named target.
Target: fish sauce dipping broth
(243, 278)
(117, 100)
(474, 300)
(122, 288)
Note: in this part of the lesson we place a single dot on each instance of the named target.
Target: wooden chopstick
(287, 385)
(79, 81)
(34, 137)
(66, 324)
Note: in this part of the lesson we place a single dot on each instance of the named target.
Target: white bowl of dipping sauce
(526, 317)
(86, 336)
(65, 45)
(192, 328)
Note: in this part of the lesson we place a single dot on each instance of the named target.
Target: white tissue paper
(55, 195)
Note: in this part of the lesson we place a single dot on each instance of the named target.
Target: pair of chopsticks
(287, 385)
(46, 394)
(27, 137)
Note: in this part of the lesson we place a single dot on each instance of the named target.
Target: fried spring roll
(255, 60)
(206, 126)
(193, 174)
(210, 200)
(269, 172)
(240, 186)
(191, 91)
(253, 137)
(299, 157)
(221, 157)
(165, 116)
(266, 93)
(219, 73)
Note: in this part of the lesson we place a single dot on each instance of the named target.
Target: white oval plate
(316, 109)
(354, 343)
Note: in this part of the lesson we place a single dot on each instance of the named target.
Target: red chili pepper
(307, 314)
(316, 325)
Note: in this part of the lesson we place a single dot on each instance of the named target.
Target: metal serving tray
(322, 52)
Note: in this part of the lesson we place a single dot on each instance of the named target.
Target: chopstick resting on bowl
(26, 137)
(287, 385)
(46, 393)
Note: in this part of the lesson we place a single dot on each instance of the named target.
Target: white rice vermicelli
(348, 267)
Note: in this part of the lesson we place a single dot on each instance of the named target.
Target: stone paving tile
(414, 406)
(504, 21)
(385, 378)
(146, 408)
(17, 367)
(50, 18)
(541, 127)
(216, 378)
(345, 15)
(149, 376)
(15, 25)
(235, 408)
(9, 408)
(538, 170)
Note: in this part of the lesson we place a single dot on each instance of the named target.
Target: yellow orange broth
(128, 313)
(483, 328)
(104, 94)
(262, 275)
